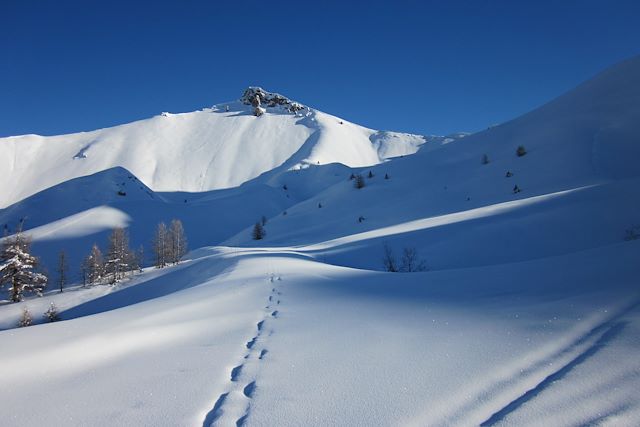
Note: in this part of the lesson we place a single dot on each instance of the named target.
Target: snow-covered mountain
(219, 147)
(528, 311)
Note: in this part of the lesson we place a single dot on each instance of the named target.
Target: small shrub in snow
(370, 175)
(509, 174)
(360, 218)
(263, 220)
(411, 262)
(358, 182)
(521, 151)
(389, 259)
(516, 189)
(25, 318)
(386, 176)
(51, 315)
(485, 159)
(352, 177)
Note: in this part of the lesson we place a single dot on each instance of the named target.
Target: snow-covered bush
(485, 159)
(521, 151)
(25, 318)
(358, 181)
(51, 315)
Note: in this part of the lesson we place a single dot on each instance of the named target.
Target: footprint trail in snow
(233, 407)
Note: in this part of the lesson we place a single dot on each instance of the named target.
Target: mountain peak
(258, 97)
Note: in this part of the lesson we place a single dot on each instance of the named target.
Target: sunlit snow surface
(528, 314)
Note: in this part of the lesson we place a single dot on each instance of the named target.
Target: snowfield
(526, 313)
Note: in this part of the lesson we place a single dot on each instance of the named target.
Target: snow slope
(579, 186)
(528, 313)
(272, 338)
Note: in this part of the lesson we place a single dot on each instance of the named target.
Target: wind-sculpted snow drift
(526, 311)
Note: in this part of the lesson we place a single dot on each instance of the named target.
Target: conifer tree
(51, 315)
(17, 267)
(258, 232)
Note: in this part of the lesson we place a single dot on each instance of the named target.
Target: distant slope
(215, 148)
(579, 182)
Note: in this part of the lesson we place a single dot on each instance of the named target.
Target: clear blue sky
(414, 66)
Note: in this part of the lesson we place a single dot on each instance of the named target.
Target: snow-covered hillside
(527, 310)
(218, 147)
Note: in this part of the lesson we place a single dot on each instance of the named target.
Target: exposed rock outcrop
(260, 98)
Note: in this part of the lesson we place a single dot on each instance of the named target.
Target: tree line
(20, 274)
(169, 245)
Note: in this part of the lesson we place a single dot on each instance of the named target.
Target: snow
(82, 224)
(528, 314)
(194, 152)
